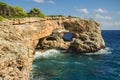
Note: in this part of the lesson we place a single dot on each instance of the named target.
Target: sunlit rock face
(78, 35)
(19, 38)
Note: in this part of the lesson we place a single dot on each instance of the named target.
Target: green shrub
(1, 18)
(56, 16)
(8, 11)
(11, 11)
(18, 12)
(35, 12)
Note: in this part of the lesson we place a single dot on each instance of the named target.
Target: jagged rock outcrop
(19, 38)
(85, 36)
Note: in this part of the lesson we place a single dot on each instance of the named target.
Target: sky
(106, 12)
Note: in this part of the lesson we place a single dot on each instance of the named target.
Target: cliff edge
(19, 38)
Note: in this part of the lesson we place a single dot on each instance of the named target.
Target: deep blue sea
(102, 65)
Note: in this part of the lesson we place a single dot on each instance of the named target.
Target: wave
(60, 62)
(41, 77)
(49, 53)
(67, 62)
(101, 51)
(53, 53)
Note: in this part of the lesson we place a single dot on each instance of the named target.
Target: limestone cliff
(85, 36)
(19, 38)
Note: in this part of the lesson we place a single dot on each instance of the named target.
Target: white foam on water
(60, 62)
(119, 75)
(118, 62)
(79, 63)
(100, 52)
(90, 58)
(38, 78)
(49, 53)
(34, 66)
(55, 53)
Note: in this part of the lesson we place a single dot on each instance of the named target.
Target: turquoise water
(102, 65)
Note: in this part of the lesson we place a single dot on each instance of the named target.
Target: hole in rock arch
(68, 36)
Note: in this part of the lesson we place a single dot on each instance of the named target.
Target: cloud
(43, 1)
(118, 12)
(84, 11)
(112, 23)
(39, 1)
(51, 1)
(103, 17)
(100, 10)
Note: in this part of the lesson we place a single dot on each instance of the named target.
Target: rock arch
(18, 41)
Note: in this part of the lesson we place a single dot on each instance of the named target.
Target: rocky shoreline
(20, 37)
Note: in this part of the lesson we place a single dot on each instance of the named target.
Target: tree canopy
(8, 11)
(4, 9)
(36, 12)
(18, 11)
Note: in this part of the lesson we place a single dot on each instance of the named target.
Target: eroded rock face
(17, 46)
(15, 56)
(19, 37)
(78, 35)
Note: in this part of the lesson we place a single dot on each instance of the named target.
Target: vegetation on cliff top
(63, 16)
(1, 18)
(8, 11)
(35, 12)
